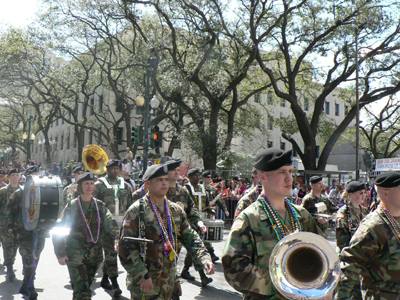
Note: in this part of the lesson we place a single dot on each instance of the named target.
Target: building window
(270, 144)
(327, 108)
(283, 146)
(91, 109)
(336, 109)
(257, 98)
(68, 141)
(306, 104)
(346, 109)
(178, 144)
(118, 107)
(62, 143)
(73, 140)
(101, 103)
(317, 151)
(90, 137)
(119, 135)
(56, 143)
(270, 124)
(270, 98)
(283, 103)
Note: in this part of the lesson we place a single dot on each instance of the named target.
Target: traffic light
(156, 137)
(135, 134)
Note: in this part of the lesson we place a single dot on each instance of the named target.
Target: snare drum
(42, 202)
(215, 230)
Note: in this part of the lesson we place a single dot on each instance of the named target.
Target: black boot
(186, 275)
(115, 287)
(24, 289)
(105, 283)
(32, 293)
(10, 273)
(204, 279)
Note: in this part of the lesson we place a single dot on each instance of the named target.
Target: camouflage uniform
(70, 193)
(248, 249)
(9, 241)
(216, 197)
(309, 202)
(27, 239)
(248, 198)
(138, 194)
(84, 256)
(373, 254)
(343, 230)
(157, 266)
(106, 194)
(205, 208)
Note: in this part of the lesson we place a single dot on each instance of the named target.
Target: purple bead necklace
(87, 228)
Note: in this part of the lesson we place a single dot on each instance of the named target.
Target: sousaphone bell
(95, 159)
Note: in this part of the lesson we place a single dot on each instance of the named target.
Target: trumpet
(304, 266)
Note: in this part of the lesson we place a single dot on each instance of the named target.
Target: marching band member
(152, 274)
(89, 222)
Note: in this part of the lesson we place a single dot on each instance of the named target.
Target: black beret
(2, 172)
(272, 159)
(355, 186)
(194, 171)
(79, 169)
(173, 164)
(155, 171)
(15, 170)
(315, 179)
(85, 177)
(31, 169)
(114, 163)
(206, 173)
(388, 179)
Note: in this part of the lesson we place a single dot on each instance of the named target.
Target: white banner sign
(387, 164)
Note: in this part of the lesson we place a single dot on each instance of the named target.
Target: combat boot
(186, 275)
(24, 289)
(32, 293)
(105, 283)
(204, 279)
(10, 273)
(115, 286)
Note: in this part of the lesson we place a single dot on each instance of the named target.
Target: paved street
(52, 280)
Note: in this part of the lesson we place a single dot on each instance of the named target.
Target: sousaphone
(95, 159)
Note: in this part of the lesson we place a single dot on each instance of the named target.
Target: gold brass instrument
(303, 265)
(95, 159)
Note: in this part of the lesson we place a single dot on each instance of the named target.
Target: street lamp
(140, 101)
(28, 140)
(358, 29)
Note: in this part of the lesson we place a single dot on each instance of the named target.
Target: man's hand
(212, 203)
(210, 268)
(116, 245)
(322, 220)
(227, 213)
(203, 229)
(147, 285)
(63, 261)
